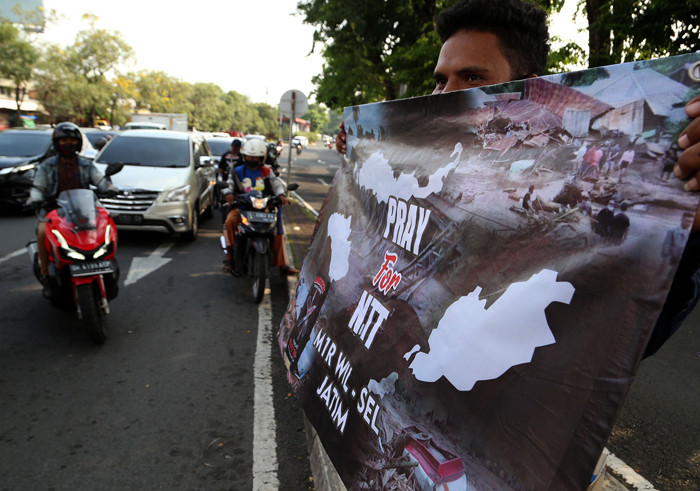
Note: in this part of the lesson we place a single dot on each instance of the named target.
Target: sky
(257, 48)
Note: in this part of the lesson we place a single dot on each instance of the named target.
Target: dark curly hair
(521, 27)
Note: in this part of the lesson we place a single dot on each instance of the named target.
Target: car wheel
(191, 235)
(209, 210)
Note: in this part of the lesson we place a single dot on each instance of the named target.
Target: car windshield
(219, 146)
(154, 152)
(93, 136)
(24, 143)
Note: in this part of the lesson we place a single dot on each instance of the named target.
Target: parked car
(166, 183)
(21, 150)
(300, 139)
(94, 134)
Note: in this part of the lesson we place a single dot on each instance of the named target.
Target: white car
(166, 182)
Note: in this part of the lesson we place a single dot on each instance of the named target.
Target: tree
(17, 60)
(630, 30)
(319, 117)
(364, 44)
(96, 53)
(73, 81)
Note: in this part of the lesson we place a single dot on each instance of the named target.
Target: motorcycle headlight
(70, 252)
(179, 194)
(259, 203)
(107, 246)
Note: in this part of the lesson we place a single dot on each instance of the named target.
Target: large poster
(485, 274)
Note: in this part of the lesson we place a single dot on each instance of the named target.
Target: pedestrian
(625, 161)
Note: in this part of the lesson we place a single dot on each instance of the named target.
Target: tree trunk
(598, 35)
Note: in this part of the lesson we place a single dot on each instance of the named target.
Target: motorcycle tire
(93, 316)
(259, 268)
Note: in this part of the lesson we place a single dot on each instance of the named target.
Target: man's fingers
(688, 165)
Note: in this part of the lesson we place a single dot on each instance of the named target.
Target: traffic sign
(293, 104)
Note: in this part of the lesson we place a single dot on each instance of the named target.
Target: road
(169, 401)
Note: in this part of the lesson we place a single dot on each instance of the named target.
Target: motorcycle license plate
(260, 216)
(91, 268)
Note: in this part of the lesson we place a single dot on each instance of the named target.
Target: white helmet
(254, 148)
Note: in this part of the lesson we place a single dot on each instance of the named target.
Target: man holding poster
(439, 335)
(489, 42)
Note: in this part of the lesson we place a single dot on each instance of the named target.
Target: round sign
(293, 101)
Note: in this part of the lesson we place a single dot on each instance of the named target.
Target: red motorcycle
(81, 239)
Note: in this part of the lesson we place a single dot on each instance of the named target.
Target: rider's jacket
(45, 183)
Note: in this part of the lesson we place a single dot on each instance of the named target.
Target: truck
(165, 121)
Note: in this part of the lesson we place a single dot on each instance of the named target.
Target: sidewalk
(299, 226)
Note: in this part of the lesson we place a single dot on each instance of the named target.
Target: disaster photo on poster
(485, 275)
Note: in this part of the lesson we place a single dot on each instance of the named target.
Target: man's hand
(340, 144)
(688, 165)
(283, 199)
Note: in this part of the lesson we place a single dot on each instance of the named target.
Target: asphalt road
(167, 403)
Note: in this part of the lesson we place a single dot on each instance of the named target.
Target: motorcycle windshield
(79, 207)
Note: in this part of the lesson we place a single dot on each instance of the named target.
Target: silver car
(166, 183)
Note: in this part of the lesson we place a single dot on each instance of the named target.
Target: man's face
(67, 147)
(253, 162)
(470, 59)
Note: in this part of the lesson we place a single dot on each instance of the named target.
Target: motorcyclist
(252, 176)
(272, 156)
(61, 172)
(230, 159)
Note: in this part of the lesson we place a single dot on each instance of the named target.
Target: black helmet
(67, 130)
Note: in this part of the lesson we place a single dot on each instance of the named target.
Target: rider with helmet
(249, 176)
(60, 172)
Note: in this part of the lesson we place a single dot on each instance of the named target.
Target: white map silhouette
(339, 231)
(472, 343)
(376, 175)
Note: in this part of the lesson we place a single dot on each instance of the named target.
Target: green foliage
(630, 30)
(363, 44)
(318, 115)
(18, 58)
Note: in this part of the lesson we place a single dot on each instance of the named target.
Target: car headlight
(179, 194)
(18, 169)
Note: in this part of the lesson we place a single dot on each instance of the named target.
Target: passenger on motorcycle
(63, 171)
(252, 176)
(230, 159)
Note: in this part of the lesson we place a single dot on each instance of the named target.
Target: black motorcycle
(255, 236)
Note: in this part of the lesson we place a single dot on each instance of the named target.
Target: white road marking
(305, 204)
(142, 266)
(628, 474)
(264, 429)
(12, 254)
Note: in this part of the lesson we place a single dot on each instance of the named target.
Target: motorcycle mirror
(293, 186)
(113, 169)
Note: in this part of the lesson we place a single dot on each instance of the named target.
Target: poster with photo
(485, 275)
